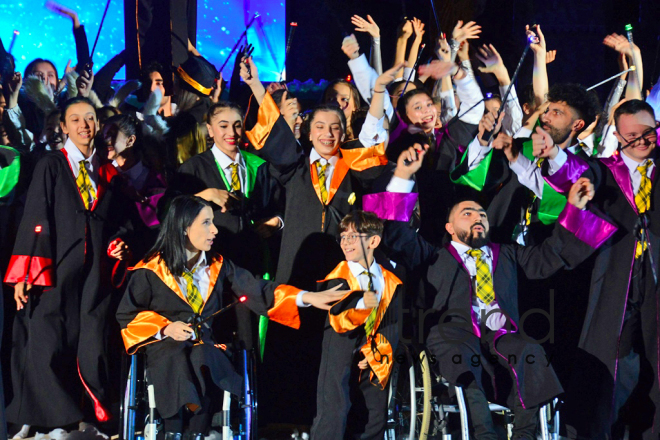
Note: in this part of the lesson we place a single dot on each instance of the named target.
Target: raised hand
(410, 161)
(550, 56)
(217, 90)
(543, 144)
(65, 12)
(492, 60)
(620, 44)
(84, 83)
(467, 31)
(537, 41)
(289, 110)
(351, 47)
(249, 72)
(581, 192)
(442, 49)
(368, 25)
(418, 28)
(325, 299)
(405, 29)
(14, 85)
(504, 142)
(436, 69)
(387, 77)
(488, 124)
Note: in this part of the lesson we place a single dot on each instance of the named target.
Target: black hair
(633, 107)
(527, 96)
(221, 105)
(279, 93)
(170, 245)
(462, 200)
(403, 102)
(329, 107)
(330, 94)
(129, 126)
(576, 96)
(73, 101)
(30, 67)
(367, 223)
(145, 89)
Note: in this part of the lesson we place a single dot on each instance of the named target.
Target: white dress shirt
(373, 132)
(469, 95)
(512, 122)
(365, 78)
(495, 320)
(74, 156)
(225, 163)
(329, 170)
(376, 277)
(635, 175)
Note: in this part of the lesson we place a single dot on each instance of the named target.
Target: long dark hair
(129, 126)
(170, 245)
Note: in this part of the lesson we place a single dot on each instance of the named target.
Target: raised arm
(370, 26)
(404, 32)
(540, 74)
(620, 44)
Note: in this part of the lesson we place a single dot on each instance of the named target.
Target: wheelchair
(420, 407)
(139, 419)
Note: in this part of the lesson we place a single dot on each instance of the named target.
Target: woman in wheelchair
(168, 309)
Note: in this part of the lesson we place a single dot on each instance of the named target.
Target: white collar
(201, 261)
(357, 269)
(633, 164)
(75, 155)
(314, 156)
(463, 249)
(224, 160)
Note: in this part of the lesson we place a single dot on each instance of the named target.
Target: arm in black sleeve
(103, 78)
(82, 48)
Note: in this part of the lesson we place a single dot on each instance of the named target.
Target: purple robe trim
(562, 180)
(622, 176)
(147, 210)
(390, 206)
(586, 226)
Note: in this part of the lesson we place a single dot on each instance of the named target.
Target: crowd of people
(132, 214)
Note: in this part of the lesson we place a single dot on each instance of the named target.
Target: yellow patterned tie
(235, 181)
(371, 319)
(485, 290)
(84, 185)
(320, 169)
(643, 200)
(192, 292)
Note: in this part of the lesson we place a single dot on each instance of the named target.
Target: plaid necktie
(84, 185)
(235, 181)
(320, 169)
(192, 292)
(643, 199)
(485, 290)
(371, 319)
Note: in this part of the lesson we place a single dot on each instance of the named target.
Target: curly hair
(585, 104)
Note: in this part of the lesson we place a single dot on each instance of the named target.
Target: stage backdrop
(43, 34)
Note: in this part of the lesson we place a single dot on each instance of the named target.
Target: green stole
(252, 164)
(9, 174)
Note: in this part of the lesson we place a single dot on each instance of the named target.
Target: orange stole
(268, 114)
(341, 169)
(381, 363)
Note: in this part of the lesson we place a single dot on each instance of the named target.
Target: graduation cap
(198, 74)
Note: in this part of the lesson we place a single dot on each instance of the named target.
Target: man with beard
(476, 336)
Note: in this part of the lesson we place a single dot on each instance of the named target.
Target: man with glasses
(616, 384)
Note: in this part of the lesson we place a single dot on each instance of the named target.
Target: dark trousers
(349, 405)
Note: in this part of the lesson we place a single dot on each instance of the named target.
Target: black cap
(198, 75)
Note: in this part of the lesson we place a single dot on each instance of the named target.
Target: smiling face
(116, 141)
(226, 128)
(421, 112)
(80, 124)
(396, 92)
(356, 245)
(468, 224)
(202, 231)
(326, 133)
(158, 83)
(640, 128)
(561, 121)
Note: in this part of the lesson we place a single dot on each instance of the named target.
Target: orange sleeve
(142, 328)
(268, 114)
(285, 309)
(362, 158)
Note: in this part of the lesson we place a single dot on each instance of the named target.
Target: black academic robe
(308, 252)
(183, 372)
(611, 285)
(454, 324)
(344, 344)
(436, 190)
(59, 338)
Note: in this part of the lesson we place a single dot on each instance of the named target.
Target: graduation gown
(577, 234)
(611, 283)
(59, 338)
(184, 371)
(343, 338)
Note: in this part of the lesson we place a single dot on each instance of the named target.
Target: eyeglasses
(350, 239)
(649, 137)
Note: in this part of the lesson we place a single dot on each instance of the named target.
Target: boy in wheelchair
(476, 299)
(168, 310)
(360, 337)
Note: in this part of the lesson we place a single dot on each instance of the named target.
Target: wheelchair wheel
(409, 411)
